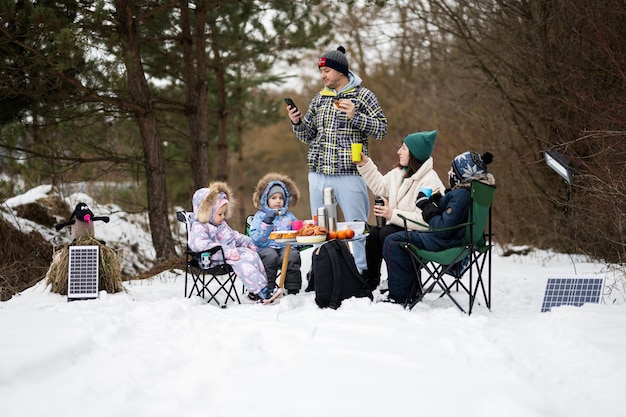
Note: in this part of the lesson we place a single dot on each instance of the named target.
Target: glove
(421, 200)
(435, 198)
(269, 217)
(430, 210)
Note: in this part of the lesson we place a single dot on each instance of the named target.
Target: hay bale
(24, 259)
(109, 270)
(35, 212)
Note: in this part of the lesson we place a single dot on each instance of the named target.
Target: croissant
(321, 230)
(311, 230)
(307, 231)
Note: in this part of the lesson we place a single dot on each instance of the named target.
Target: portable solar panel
(83, 272)
(573, 291)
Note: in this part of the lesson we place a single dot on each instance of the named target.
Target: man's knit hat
(421, 144)
(336, 60)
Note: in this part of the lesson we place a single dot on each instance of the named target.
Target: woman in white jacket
(399, 189)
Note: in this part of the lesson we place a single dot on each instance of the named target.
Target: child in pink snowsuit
(209, 229)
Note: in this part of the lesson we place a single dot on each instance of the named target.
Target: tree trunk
(196, 91)
(221, 111)
(145, 116)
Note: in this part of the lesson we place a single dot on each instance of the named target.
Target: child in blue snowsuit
(209, 229)
(273, 195)
(439, 212)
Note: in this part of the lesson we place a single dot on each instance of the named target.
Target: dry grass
(24, 261)
(175, 262)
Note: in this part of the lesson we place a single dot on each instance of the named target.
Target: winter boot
(371, 278)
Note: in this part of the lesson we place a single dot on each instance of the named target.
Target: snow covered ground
(151, 352)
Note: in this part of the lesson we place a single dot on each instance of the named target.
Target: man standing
(342, 113)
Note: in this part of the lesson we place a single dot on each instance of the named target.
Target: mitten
(430, 210)
(232, 254)
(435, 198)
(421, 200)
(269, 217)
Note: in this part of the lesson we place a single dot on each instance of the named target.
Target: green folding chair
(465, 268)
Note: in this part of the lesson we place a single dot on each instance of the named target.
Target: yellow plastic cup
(357, 148)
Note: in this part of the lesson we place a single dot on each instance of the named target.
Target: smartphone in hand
(290, 103)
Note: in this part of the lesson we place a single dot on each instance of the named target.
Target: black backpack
(334, 276)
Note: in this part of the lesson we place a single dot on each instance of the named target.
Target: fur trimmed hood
(292, 193)
(204, 200)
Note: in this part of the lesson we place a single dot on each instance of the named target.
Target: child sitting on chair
(439, 212)
(209, 229)
(272, 196)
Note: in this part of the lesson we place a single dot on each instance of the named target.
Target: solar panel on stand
(82, 277)
(574, 291)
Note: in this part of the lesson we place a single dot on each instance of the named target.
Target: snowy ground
(151, 352)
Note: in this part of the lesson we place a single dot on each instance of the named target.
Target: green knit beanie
(421, 144)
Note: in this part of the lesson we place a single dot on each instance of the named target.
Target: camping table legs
(283, 268)
(288, 245)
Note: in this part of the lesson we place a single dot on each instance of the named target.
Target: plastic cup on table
(296, 225)
(357, 148)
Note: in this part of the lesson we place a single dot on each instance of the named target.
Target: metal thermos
(332, 224)
(330, 204)
(322, 217)
(380, 221)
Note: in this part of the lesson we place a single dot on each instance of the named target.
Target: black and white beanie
(468, 165)
(335, 59)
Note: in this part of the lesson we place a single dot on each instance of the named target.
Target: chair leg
(186, 268)
(416, 293)
(481, 262)
(226, 284)
(195, 287)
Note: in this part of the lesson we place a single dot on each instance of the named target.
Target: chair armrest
(214, 250)
(406, 227)
(405, 219)
(430, 229)
(211, 251)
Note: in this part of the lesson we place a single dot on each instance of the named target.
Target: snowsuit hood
(292, 193)
(204, 200)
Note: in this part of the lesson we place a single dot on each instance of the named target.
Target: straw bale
(110, 275)
(24, 259)
(35, 212)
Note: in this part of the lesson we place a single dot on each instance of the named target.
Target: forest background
(146, 101)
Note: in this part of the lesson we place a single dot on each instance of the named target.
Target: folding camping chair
(465, 268)
(210, 276)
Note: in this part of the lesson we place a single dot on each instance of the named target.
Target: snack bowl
(285, 240)
(358, 227)
(311, 239)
